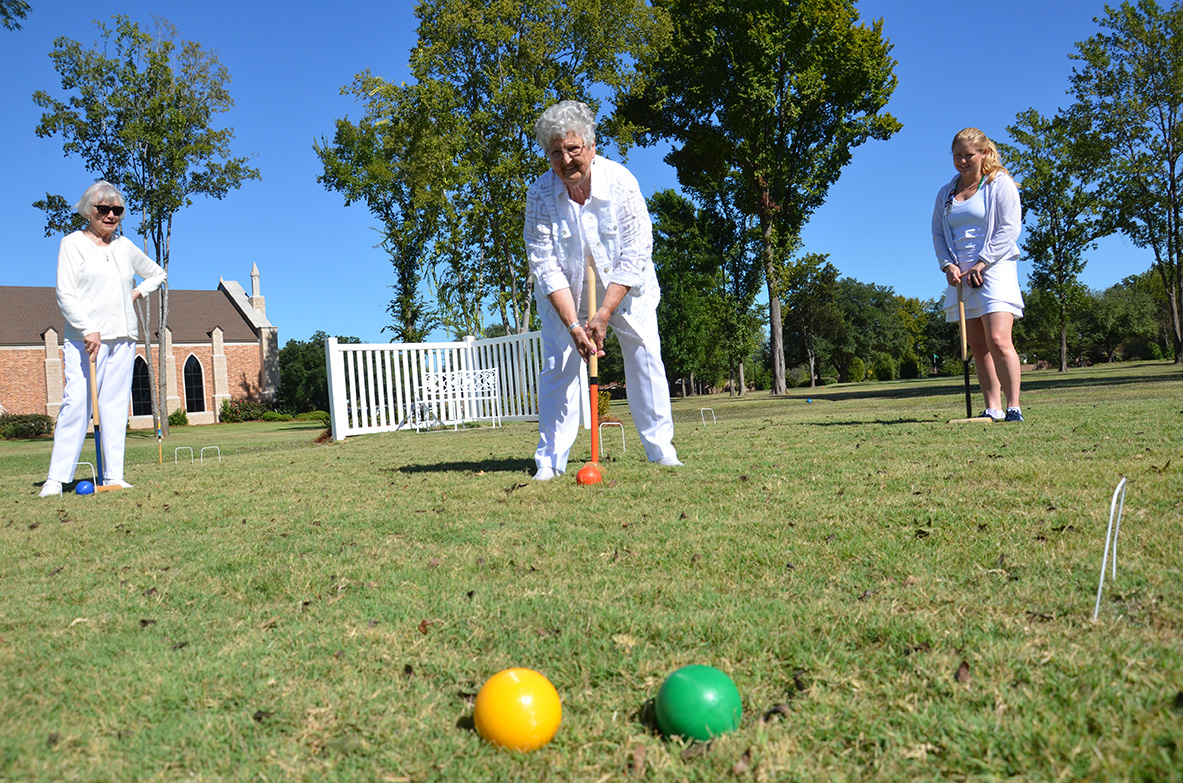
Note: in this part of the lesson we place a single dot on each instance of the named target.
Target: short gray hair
(564, 117)
(99, 191)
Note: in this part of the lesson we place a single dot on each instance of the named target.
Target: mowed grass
(897, 598)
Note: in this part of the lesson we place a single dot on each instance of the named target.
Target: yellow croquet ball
(518, 709)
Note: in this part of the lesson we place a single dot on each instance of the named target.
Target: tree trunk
(1175, 302)
(743, 384)
(776, 338)
(1063, 342)
(143, 314)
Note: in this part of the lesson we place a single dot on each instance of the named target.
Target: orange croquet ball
(518, 709)
(588, 474)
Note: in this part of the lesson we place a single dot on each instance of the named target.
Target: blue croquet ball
(698, 703)
(84, 488)
(808, 400)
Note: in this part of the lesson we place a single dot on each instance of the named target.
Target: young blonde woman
(975, 232)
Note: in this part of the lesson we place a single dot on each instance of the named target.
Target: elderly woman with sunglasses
(588, 208)
(975, 232)
(96, 291)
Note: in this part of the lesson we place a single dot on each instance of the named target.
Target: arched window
(141, 389)
(194, 386)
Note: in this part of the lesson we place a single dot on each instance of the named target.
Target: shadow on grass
(864, 423)
(513, 465)
(1030, 383)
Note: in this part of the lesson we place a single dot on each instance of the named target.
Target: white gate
(381, 387)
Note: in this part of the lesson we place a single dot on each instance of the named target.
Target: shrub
(883, 367)
(796, 376)
(757, 376)
(312, 416)
(909, 365)
(178, 418)
(856, 371)
(603, 403)
(275, 416)
(235, 411)
(25, 425)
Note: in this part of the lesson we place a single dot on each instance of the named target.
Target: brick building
(218, 345)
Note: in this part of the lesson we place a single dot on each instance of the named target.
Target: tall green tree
(139, 111)
(1130, 87)
(768, 97)
(1037, 333)
(483, 72)
(810, 287)
(682, 257)
(736, 245)
(380, 161)
(708, 318)
(1059, 161)
(870, 325)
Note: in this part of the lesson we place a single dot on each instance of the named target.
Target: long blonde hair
(991, 162)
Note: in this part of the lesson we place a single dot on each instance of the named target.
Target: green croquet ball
(698, 702)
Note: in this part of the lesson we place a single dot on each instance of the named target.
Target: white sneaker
(50, 487)
(546, 474)
(670, 462)
(123, 484)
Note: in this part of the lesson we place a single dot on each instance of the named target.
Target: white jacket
(615, 223)
(94, 286)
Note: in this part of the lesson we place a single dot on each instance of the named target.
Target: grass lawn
(896, 598)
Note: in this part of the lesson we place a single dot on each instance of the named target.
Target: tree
(11, 11)
(686, 275)
(139, 114)
(869, 326)
(303, 375)
(809, 288)
(940, 339)
(768, 98)
(1059, 163)
(708, 317)
(483, 73)
(380, 161)
(737, 246)
(1130, 88)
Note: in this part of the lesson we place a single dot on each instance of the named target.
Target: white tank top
(967, 221)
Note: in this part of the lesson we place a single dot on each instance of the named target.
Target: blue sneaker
(1014, 414)
(986, 415)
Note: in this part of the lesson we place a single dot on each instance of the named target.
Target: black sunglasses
(103, 209)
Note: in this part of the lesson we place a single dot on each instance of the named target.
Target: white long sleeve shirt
(613, 226)
(94, 286)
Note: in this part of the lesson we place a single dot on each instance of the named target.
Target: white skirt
(984, 305)
(999, 293)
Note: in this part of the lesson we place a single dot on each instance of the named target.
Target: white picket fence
(382, 387)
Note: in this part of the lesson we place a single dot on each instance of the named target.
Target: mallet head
(589, 474)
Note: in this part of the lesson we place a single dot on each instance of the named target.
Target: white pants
(635, 328)
(115, 363)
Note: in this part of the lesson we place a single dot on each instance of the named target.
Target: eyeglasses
(103, 209)
(566, 152)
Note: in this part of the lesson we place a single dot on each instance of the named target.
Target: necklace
(970, 186)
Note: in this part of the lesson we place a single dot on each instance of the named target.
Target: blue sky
(959, 64)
